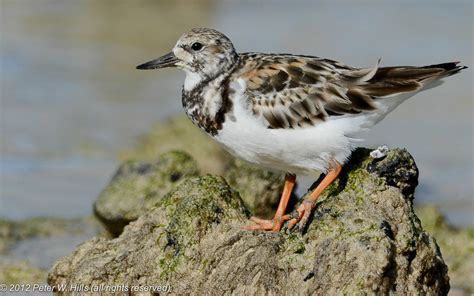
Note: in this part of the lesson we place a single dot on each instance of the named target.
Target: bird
(298, 114)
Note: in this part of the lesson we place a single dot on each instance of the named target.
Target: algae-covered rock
(259, 188)
(20, 273)
(161, 243)
(12, 231)
(179, 133)
(365, 239)
(138, 185)
(457, 246)
(366, 223)
(20, 267)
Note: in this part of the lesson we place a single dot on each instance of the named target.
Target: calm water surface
(71, 98)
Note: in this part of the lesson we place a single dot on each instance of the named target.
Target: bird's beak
(168, 60)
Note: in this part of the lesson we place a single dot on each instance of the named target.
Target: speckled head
(202, 52)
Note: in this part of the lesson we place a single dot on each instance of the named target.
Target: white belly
(305, 150)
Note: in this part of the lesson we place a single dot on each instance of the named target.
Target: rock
(138, 185)
(260, 189)
(399, 170)
(178, 133)
(457, 246)
(161, 242)
(17, 266)
(365, 239)
(20, 273)
(14, 231)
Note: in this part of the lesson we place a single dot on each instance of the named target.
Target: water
(71, 97)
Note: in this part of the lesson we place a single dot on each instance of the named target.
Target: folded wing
(299, 91)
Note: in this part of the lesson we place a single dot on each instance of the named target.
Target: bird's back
(294, 91)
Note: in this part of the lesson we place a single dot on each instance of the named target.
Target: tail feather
(389, 81)
(449, 68)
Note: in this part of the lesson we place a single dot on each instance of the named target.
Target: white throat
(191, 81)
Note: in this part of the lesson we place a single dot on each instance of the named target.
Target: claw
(303, 212)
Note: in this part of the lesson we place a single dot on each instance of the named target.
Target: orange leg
(278, 220)
(304, 210)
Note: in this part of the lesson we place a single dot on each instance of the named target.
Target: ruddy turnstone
(295, 113)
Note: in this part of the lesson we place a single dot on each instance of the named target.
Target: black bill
(168, 60)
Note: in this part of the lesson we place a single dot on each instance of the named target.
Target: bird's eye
(196, 46)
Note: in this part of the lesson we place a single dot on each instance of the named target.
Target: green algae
(12, 231)
(138, 185)
(190, 237)
(193, 208)
(20, 273)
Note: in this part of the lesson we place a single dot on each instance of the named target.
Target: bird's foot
(298, 218)
(273, 225)
(302, 215)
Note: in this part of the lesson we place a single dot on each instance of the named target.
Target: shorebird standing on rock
(295, 113)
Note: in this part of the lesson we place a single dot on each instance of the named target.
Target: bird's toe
(273, 225)
(301, 216)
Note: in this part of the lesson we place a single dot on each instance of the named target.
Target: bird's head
(201, 52)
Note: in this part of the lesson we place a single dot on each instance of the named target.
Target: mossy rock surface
(21, 273)
(16, 269)
(163, 241)
(139, 185)
(364, 239)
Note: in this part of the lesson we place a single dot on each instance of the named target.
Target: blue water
(71, 98)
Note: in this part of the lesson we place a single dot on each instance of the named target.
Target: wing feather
(290, 91)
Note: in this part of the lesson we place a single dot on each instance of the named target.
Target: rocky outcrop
(138, 185)
(20, 272)
(12, 232)
(59, 235)
(364, 238)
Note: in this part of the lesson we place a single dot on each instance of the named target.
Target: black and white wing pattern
(290, 91)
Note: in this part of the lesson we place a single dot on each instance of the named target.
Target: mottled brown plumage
(291, 91)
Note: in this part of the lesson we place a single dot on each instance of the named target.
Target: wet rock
(178, 133)
(138, 185)
(364, 239)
